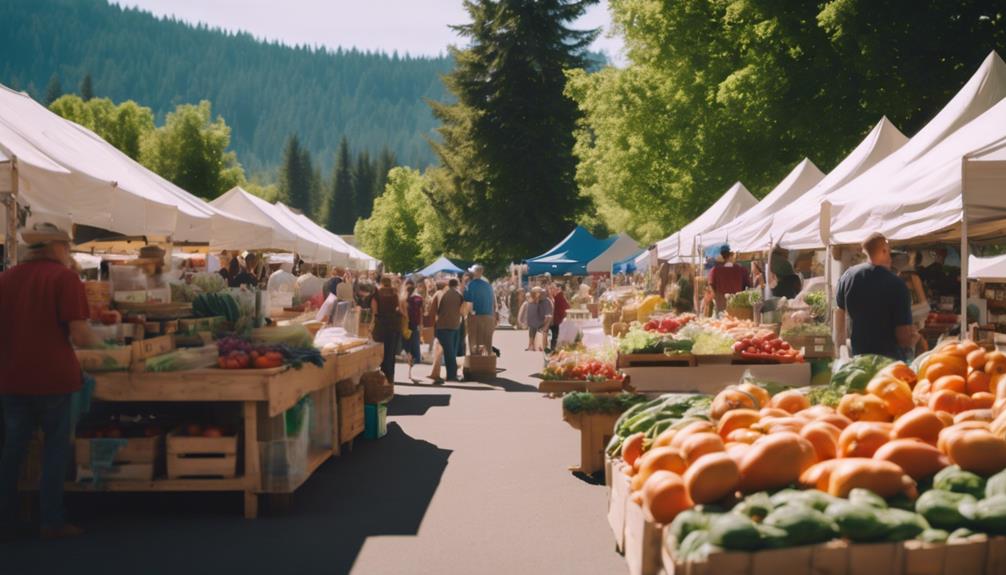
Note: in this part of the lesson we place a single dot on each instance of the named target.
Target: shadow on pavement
(417, 404)
(383, 487)
(432, 385)
(510, 385)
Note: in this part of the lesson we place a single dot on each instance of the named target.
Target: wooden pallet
(596, 430)
(190, 457)
(655, 360)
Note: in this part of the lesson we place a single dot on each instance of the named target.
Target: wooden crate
(655, 360)
(643, 542)
(559, 387)
(112, 359)
(136, 450)
(596, 430)
(351, 417)
(201, 456)
(119, 472)
(618, 499)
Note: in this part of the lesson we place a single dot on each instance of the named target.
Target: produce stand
(559, 387)
(595, 432)
(264, 394)
(711, 378)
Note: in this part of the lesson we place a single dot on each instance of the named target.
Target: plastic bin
(375, 420)
(284, 461)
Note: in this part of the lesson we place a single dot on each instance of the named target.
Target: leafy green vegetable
(746, 298)
(857, 372)
(584, 402)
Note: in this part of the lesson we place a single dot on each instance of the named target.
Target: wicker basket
(740, 312)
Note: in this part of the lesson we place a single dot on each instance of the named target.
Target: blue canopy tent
(627, 265)
(571, 255)
(442, 265)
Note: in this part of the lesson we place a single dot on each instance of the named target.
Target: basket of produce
(741, 304)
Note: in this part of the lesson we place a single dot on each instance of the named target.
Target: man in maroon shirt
(727, 278)
(42, 309)
(559, 307)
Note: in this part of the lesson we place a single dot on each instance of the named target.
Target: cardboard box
(480, 367)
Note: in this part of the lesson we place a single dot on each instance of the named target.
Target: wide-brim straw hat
(43, 234)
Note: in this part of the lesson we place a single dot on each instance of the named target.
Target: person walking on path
(447, 308)
(43, 309)
(387, 324)
(414, 305)
(727, 278)
(559, 307)
(481, 301)
(879, 304)
(539, 318)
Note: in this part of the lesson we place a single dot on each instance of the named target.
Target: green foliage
(343, 202)
(296, 175)
(404, 231)
(506, 146)
(265, 90)
(53, 90)
(123, 125)
(190, 150)
(744, 89)
(86, 88)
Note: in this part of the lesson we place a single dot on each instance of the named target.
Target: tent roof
(570, 255)
(896, 195)
(992, 268)
(354, 256)
(440, 265)
(883, 140)
(680, 246)
(66, 170)
(802, 178)
(623, 247)
(286, 237)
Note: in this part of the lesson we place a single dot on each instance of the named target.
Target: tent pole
(964, 248)
(10, 217)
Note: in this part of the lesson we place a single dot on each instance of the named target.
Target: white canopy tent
(288, 235)
(623, 247)
(803, 177)
(897, 195)
(883, 140)
(67, 171)
(990, 269)
(354, 257)
(680, 247)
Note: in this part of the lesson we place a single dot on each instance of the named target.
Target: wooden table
(273, 391)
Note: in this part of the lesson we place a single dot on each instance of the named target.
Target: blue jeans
(448, 339)
(22, 414)
(413, 345)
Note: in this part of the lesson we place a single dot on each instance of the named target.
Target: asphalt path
(471, 478)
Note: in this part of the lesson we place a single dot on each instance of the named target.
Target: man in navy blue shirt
(481, 301)
(879, 304)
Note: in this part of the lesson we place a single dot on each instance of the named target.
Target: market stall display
(887, 458)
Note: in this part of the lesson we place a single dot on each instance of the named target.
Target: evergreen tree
(53, 90)
(86, 89)
(385, 162)
(342, 204)
(295, 181)
(507, 143)
(364, 180)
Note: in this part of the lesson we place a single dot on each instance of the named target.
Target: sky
(416, 27)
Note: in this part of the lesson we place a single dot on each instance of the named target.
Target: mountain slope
(265, 91)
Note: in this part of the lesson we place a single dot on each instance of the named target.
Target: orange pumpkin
(775, 461)
(919, 460)
(946, 418)
(737, 451)
(982, 400)
(920, 423)
(776, 424)
(896, 394)
(977, 359)
(954, 383)
(978, 381)
(949, 401)
(814, 412)
(837, 419)
(974, 415)
(922, 391)
(943, 365)
(736, 419)
(731, 398)
(664, 495)
(699, 444)
(790, 400)
(818, 476)
(967, 346)
(689, 430)
(948, 432)
(824, 437)
(899, 370)
(748, 436)
(758, 392)
(773, 412)
(998, 425)
(977, 451)
(881, 477)
(657, 459)
(664, 439)
(859, 407)
(632, 448)
(863, 438)
(995, 363)
(712, 477)
(997, 385)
